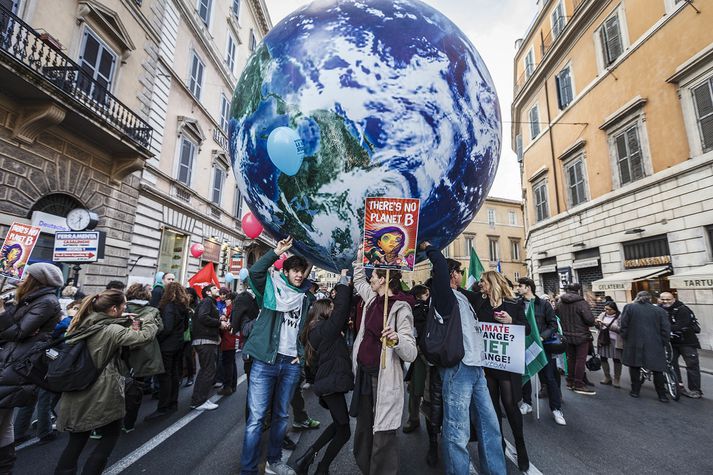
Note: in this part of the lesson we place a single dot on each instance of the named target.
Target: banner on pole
(390, 233)
(503, 346)
(16, 249)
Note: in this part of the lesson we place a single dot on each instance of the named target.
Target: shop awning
(698, 278)
(623, 280)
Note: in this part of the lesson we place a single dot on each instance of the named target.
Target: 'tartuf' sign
(647, 262)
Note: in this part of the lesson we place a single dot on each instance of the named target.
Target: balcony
(36, 73)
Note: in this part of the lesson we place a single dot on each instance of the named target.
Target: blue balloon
(243, 274)
(286, 150)
(229, 278)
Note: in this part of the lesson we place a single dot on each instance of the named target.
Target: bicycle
(669, 374)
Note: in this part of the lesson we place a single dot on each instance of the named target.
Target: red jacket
(227, 338)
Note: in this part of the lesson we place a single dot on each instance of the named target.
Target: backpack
(442, 342)
(58, 366)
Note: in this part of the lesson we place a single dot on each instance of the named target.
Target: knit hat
(46, 274)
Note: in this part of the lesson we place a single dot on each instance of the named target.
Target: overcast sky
(492, 26)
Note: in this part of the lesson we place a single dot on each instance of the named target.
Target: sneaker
(126, 430)
(525, 408)
(47, 438)
(695, 394)
(309, 423)
(278, 468)
(189, 382)
(289, 444)
(306, 385)
(559, 417)
(206, 406)
(95, 435)
(585, 391)
(217, 385)
(225, 391)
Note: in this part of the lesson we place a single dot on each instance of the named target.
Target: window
(230, 53)
(186, 160)
(235, 9)
(565, 92)
(218, 181)
(238, 203)
(515, 250)
(628, 155)
(518, 147)
(447, 251)
(491, 217)
(558, 20)
(529, 63)
(709, 233)
(224, 112)
(539, 190)
(97, 62)
(703, 101)
(204, 8)
(195, 83)
(611, 39)
(534, 116)
(512, 218)
(576, 185)
(253, 40)
(468, 244)
(493, 249)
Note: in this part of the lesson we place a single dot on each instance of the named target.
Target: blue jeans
(280, 378)
(465, 390)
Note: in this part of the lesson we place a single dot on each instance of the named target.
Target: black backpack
(442, 343)
(58, 366)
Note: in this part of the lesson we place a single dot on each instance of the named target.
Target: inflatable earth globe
(347, 99)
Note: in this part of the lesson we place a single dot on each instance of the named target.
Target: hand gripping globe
(346, 99)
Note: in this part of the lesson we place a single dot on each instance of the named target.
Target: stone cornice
(262, 16)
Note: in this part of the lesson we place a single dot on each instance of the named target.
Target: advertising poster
(390, 233)
(16, 249)
(503, 347)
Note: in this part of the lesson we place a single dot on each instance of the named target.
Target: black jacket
(206, 323)
(245, 310)
(334, 368)
(577, 318)
(156, 295)
(32, 321)
(544, 316)
(420, 314)
(175, 322)
(681, 318)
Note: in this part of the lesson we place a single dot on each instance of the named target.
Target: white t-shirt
(289, 332)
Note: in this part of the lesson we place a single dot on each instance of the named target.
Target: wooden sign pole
(384, 340)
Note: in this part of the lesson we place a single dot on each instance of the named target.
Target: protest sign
(503, 347)
(203, 278)
(390, 233)
(16, 249)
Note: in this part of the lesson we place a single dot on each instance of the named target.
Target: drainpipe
(552, 145)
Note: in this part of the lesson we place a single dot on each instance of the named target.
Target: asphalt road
(610, 433)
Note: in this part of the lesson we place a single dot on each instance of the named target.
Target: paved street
(608, 433)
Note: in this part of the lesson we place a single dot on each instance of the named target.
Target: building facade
(497, 234)
(187, 192)
(75, 103)
(613, 125)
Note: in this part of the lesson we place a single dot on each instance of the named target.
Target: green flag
(475, 268)
(535, 358)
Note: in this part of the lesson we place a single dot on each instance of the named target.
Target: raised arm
(360, 284)
(332, 328)
(442, 296)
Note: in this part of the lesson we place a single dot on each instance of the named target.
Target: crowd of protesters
(358, 338)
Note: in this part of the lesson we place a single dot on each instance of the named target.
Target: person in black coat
(326, 348)
(684, 342)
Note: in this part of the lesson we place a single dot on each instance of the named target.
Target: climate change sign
(503, 347)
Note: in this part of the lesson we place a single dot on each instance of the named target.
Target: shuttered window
(565, 93)
(534, 122)
(185, 162)
(195, 82)
(204, 8)
(542, 210)
(529, 63)
(218, 181)
(224, 113)
(230, 53)
(703, 99)
(576, 185)
(558, 20)
(97, 61)
(612, 45)
(629, 159)
(493, 249)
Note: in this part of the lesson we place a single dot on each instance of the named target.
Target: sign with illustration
(390, 233)
(16, 249)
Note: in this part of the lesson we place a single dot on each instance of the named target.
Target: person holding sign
(378, 399)
(464, 385)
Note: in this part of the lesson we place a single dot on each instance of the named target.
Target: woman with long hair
(30, 321)
(497, 304)
(379, 351)
(609, 344)
(102, 324)
(327, 354)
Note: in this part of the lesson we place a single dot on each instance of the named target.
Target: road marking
(512, 455)
(130, 459)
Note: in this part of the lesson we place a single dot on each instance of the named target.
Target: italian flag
(475, 268)
(535, 358)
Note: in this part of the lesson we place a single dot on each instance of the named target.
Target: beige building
(497, 234)
(188, 194)
(613, 124)
(75, 102)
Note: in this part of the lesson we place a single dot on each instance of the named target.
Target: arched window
(57, 204)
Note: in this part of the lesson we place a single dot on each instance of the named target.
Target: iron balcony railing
(20, 42)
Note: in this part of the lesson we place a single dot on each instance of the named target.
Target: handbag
(557, 343)
(594, 363)
(442, 345)
(604, 338)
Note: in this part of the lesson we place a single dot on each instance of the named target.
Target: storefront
(173, 253)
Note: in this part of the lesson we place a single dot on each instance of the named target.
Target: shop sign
(49, 223)
(236, 263)
(212, 251)
(604, 286)
(647, 262)
(85, 246)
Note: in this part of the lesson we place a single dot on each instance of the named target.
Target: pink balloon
(251, 226)
(279, 263)
(197, 250)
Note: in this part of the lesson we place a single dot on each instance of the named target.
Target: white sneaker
(525, 408)
(559, 417)
(278, 468)
(206, 406)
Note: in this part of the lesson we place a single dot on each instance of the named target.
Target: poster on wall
(503, 346)
(16, 250)
(390, 233)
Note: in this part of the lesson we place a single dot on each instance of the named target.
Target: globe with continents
(384, 98)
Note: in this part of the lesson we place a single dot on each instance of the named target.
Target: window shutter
(518, 147)
(613, 39)
(635, 165)
(560, 99)
(703, 97)
(622, 157)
